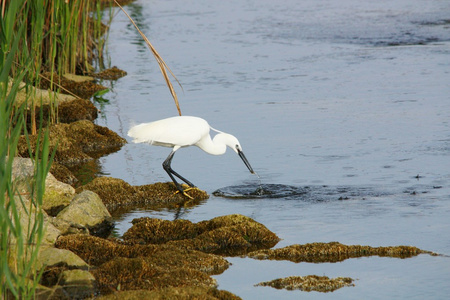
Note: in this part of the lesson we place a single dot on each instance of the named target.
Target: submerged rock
(309, 283)
(333, 252)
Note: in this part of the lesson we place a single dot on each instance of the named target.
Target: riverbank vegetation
(38, 36)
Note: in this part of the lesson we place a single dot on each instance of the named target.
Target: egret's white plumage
(185, 131)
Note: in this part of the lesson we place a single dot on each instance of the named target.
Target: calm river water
(350, 98)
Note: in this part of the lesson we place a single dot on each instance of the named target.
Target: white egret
(184, 131)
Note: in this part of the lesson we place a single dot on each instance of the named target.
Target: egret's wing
(177, 131)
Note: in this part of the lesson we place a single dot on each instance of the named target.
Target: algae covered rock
(82, 86)
(97, 251)
(76, 142)
(88, 210)
(75, 110)
(194, 292)
(117, 193)
(112, 191)
(113, 73)
(63, 174)
(309, 283)
(333, 252)
(232, 234)
(140, 273)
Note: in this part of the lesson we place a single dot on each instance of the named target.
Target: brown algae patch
(309, 283)
(117, 194)
(63, 112)
(333, 252)
(231, 235)
(82, 86)
(119, 266)
(76, 142)
(141, 273)
(113, 73)
(75, 110)
(97, 251)
(194, 292)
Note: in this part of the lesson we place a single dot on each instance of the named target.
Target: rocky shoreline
(155, 258)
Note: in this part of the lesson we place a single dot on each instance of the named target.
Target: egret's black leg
(170, 171)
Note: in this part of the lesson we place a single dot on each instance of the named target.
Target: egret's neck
(215, 146)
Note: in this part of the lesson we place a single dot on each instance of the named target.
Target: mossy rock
(65, 112)
(232, 234)
(333, 252)
(76, 142)
(63, 174)
(117, 194)
(156, 231)
(309, 283)
(113, 73)
(76, 110)
(82, 86)
(141, 273)
(194, 292)
(96, 251)
(112, 191)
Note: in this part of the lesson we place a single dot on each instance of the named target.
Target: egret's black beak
(244, 159)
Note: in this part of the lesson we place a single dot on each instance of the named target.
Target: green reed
(34, 36)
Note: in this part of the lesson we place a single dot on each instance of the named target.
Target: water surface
(343, 106)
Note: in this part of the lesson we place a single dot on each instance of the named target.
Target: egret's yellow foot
(186, 190)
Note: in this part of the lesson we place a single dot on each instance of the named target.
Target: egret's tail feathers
(137, 133)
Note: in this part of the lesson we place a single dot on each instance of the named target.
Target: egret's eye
(237, 147)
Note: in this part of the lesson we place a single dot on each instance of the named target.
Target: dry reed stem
(162, 65)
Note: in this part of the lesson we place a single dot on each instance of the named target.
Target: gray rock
(57, 194)
(78, 284)
(87, 209)
(53, 257)
(27, 216)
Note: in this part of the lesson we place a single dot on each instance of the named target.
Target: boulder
(44, 96)
(57, 194)
(78, 284)
(54, 257)
(88, 210)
